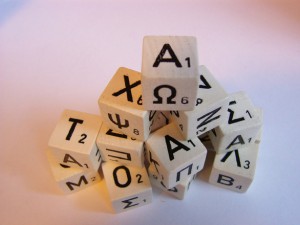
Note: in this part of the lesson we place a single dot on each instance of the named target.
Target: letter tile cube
(210, 110)
(118, 147)
(174, 158)
(179, 191)
(73, 141)
(169, 72)
(235, 170)
(241, 126)
(121, 105)
(71, 180)
(128, 187)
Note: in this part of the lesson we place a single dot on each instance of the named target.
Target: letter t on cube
(169, 72)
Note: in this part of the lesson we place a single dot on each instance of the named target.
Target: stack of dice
(155, 129)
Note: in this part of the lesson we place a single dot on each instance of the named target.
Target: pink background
(61, 54)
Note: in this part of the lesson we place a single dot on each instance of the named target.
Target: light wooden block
(173, 157)
(73, 141)
(121, 105)
(235, 170)
(71, 180)
(179, 191)
(241, 126)
(119, 147)
(128, 187)
(162, 119)
(169, 72)
(210, 108)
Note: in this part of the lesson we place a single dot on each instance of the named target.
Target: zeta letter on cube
(210, 110)
(169, 72)
(121, 105)
(73, 141)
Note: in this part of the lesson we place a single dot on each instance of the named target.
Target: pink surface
(61, 54)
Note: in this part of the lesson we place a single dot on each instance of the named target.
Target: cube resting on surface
(235, 170)
(128, 187)
(169, 72)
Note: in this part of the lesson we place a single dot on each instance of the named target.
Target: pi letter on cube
(169, 72)
(128, 187)
(121, 105)
(73, 141)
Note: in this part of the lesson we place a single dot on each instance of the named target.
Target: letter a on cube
(169, 72)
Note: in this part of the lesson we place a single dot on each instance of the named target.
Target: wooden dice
(169, 72)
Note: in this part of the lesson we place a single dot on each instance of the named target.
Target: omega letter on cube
(169, 72)
(121, 105)
(173, 157)
(73, 141)
(128, 187)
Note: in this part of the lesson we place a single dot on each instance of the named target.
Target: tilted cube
(162, 119)
(121, 105)
(169, 72)
(241, 126)
(119, 147)
(235, 170)
(173, 157)
(128, 187)
(71, 180)
(73, 141)
(210, 108)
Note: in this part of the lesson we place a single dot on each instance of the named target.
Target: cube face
(169, 72)
(73, 141)
(121, 105)
(179, 191)
(128, 187)
(174, 158)
(118, 147)
(210, 109)
(235, 170)
(241, 126)
(162, 119)
(71, 180)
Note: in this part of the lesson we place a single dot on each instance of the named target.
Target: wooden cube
(173, 157)
(121, 105)
(73, 141)
(241, 126)
(235, 170)
(71, 180)
(179, 191)
(128, 187)
(169, 72)
(119, 147)
(211, 107)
